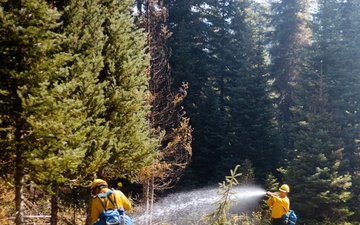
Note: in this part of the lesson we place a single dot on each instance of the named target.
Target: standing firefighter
(280, 204)
(106, 199)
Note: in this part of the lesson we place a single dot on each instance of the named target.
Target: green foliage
(71, 84)
(289, 36)
(91, 138)
(33, 65)
(272, 185)
(74, 100)
(319, 155)
(219, 216)
(247, 171)
(219, 53)
(337, 52)
(35, 132)
(190, 64)
(126, 82)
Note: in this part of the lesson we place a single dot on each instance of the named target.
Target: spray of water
(190, 207)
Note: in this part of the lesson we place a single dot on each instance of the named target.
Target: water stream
(188, 208)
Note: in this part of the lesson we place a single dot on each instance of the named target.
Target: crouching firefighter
(108, 206)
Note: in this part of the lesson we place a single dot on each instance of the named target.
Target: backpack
(289, 218)
(112, 216)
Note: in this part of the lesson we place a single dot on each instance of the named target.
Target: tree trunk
(151, 198)
(88, 211)
(19, 182)
(145, 200)
(54, 203)
(148, 199)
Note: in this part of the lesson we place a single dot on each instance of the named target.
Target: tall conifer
(125, 79)
(250, 121)
(63, 114)
(189, 64)
(336, 28)
(82, 23)
(216, 51)
(316, 169)
(34, 105)
(290, 35)
(123, 86)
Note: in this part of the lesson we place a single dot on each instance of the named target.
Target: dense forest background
(170, 95)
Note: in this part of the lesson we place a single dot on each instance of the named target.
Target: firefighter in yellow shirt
(100, 186)
(280, 204)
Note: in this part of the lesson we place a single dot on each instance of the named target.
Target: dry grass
(7, 206)
(36, 204)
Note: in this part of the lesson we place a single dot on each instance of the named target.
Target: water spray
(248, 191)
(189, 207)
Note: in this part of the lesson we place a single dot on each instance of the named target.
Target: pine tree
(189, 64)
(219, 216)
(251, 116)
(219, 54)
(290, 35)
(82, 23)
(59, 113)
(336, 27)
(126, 82)
(76, 95)
(316, 170)
(40, 123)
(122, 82)
(207, 159)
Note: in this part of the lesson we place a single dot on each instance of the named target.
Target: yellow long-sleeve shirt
(279, 205)
(97, 208)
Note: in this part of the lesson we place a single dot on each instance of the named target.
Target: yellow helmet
(284, 188)
(98, 182)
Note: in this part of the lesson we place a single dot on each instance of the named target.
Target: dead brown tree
(167, 117)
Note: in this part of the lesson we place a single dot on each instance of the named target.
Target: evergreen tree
(336, 26)
(219, 54)
(220, 21)
(82, 23)
(124, 75)
(61, 118)
(219, 216)
(166, 117)
(319, 151)
(59, 105)
(251, 116)
(123, 82)
(290, 35)
(32, 63)
(188, 64)
(207, 158)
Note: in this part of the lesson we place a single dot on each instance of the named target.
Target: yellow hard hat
(98, 182)
(284, 188)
